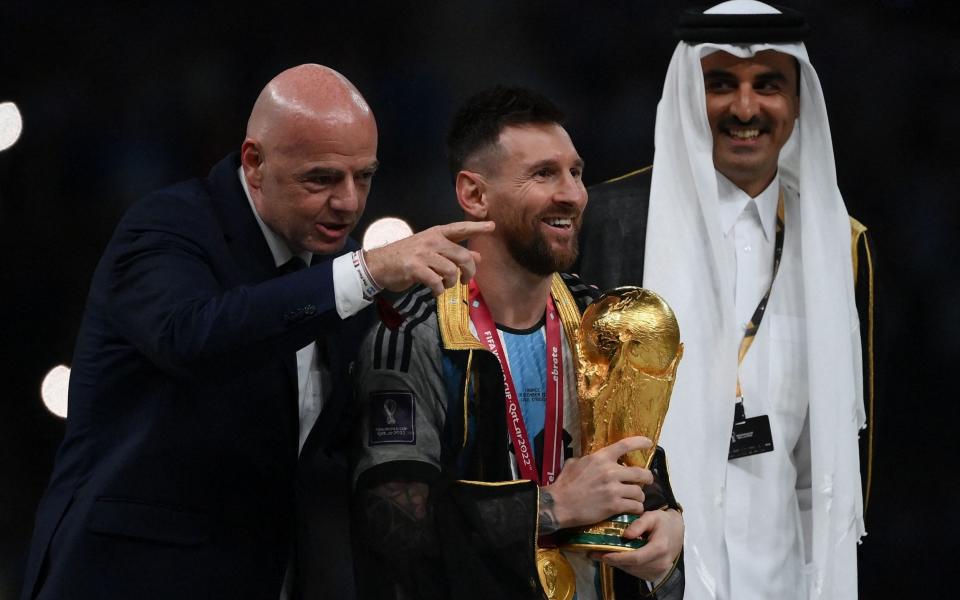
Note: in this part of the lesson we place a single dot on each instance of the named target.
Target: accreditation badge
(749, 436)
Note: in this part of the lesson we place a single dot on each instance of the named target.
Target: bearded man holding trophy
(505, 449)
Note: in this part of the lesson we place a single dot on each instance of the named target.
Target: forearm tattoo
(408, 496)
(396, 515)
(547, 519)
(399, 532)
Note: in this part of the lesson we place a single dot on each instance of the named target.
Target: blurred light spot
(385, 231)
(53, 390)
(11, 124)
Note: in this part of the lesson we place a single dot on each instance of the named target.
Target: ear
(251, 159)
(471, 194)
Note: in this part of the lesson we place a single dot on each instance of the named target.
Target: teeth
(556, 222)
(745, 134)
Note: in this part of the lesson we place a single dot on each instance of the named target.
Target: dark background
(120, 99)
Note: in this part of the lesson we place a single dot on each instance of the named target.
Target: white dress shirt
(766, 496)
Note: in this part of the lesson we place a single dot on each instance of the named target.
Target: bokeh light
(11, 124)
(385, 231)
(53, 390)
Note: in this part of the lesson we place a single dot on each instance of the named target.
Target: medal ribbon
(754, 324)
(553, 421)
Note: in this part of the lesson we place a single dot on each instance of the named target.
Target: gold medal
(556, 574)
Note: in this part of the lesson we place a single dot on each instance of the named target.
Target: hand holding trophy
(628, 352)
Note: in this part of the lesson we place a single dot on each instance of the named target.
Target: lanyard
(757, 317)
(553, 421)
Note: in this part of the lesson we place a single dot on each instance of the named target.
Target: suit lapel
(251, 255)
(241, 232)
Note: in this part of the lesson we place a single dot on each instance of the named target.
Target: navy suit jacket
(178, 476)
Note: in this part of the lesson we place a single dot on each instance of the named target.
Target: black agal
(696, 26)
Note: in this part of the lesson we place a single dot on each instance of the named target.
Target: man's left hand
(664, 532)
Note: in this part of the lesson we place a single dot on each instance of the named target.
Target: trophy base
(604, 536)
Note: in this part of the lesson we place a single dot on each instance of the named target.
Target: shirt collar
(278, 247)
(733, 201)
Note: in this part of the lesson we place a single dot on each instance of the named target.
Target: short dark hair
(481, 119)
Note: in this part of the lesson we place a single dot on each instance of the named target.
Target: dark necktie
(291, 266)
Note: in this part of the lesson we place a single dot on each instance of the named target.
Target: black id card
(749, 436)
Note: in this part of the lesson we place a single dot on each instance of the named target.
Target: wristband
(370, 287)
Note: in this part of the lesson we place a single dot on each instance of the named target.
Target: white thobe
(766, 496)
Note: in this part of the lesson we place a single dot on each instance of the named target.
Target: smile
(744, 134)
(559, 222)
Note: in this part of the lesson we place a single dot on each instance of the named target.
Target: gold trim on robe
(858, 236)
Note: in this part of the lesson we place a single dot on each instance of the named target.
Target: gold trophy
(628, 351)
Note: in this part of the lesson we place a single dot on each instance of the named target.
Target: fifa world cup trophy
(628, 352)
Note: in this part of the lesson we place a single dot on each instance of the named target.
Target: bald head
(309, 157)
(305, 93)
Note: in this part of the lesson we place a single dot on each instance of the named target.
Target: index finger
(462, 230)
(617, 449)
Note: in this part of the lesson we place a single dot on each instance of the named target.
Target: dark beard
(532, 252)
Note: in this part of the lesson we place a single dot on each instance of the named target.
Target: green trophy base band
(604, 536)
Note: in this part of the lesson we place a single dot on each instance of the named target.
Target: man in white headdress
(747, 237)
